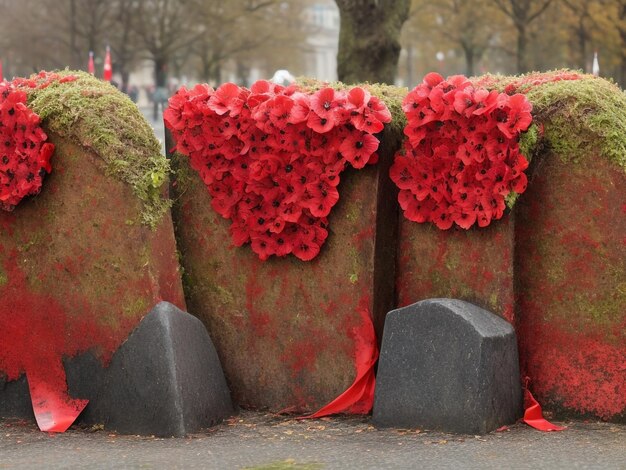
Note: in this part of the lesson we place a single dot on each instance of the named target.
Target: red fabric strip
(54, 409)
(533, 416)
(359, 397)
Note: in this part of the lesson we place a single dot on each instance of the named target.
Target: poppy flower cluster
(25, 154)
(461, 157)
(272, 156)
(42, 80)
(524, 83)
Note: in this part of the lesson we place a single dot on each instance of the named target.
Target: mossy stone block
(284, 328)
(79, 268)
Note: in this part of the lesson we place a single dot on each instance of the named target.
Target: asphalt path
(256, 440)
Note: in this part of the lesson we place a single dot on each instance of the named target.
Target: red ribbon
(359, 397)
(54, 409)
(533, 416)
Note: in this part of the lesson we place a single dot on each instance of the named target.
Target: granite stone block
(447, 365)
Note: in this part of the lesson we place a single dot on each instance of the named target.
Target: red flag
(91, 68)
(108, 70)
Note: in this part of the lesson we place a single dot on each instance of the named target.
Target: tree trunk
(125, 78)
(73, 27)
(622, 33)
(368, 39)
(469, 61)
(582, 46)
(216, 73)
(522, 41)
(160, 74)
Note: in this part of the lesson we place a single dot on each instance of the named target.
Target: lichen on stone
(98, 117)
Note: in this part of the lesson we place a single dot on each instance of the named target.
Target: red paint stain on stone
(365, 235)
(6, 223)
(37, 331)
(581, 372)
(571, 276)
(301, 355)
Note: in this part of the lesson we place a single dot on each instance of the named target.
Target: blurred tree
(165, 28)
(123, 38)
(60, 33)
(216, 40)
(239, 30)
(581, 22)
(369, 45)
(522, 13)
(615, 18)
(468, 25)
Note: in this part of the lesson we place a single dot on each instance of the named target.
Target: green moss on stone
(184, 173)
(226, 297)
(580, 117)
(136, 308)
(97, 116)
(528, 141)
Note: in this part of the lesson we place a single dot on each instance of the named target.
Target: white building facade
(322, 42)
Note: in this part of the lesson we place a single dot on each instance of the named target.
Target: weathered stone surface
(283, 327)
(570, 245)
(474, 265)
(78, 270)
(571, 276)
(447, 365)
(165, 380)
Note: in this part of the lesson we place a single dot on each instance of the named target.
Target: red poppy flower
(367, 113)
(326, 103)
(227, 98)
(300, 109)
(322, 198)
(45, 155)
(463, 217)
(402, 173)
(358, 147)
(319, 123)
(432, 79)
(263, 245)
(441, 217)
(357, 99)
(379, 110)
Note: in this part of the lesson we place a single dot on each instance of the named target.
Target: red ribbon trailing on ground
(54, 409)
(533, 416)
(359, 397)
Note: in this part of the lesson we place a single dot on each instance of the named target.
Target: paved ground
(264, 441)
